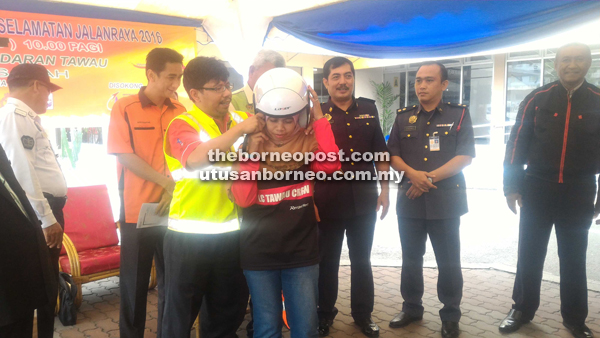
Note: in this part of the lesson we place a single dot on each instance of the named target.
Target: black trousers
(570, 208)
(138, 248)
(45, 315)
(359, 231)
(203, 267)
(445, 239)
(21, 328)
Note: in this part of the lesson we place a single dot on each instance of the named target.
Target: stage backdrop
(95, 61)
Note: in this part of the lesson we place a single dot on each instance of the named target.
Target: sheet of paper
(148, 217)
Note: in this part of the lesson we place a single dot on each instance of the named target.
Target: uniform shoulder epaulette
(20, 112)
(406, 109)
(364, 99)
(456, 105)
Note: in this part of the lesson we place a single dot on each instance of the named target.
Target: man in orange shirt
(136, 131)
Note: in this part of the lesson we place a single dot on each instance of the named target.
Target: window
(477, 94)
(522, 78)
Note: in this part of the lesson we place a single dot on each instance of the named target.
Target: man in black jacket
(557, 134)
(26, 279)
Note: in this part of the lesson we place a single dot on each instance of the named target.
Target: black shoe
(402, 319)
(367, 327)
(324, 325)
(512, 322)
(450, 329)
(579, 331)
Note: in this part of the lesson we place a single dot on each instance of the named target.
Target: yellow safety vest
(201, 207)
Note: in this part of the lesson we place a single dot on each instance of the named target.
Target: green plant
(72, 154)
(385, 97)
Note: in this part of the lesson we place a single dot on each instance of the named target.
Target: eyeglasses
(220, 89)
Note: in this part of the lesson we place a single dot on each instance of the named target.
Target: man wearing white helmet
(241, 99)
(278, 240)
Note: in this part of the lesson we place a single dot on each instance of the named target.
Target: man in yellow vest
(201, 246)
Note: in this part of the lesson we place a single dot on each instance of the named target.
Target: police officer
(431, 143)
(557, 134)
(349, 206)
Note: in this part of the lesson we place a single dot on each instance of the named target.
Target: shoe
(579, 331)
(324, 325)
(402, 319)
(512, 322)
(367, 327)
(450, 329)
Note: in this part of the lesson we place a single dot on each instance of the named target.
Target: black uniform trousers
(203, 267)
(359, 232)
(445, 239)
(138, 248)
(45, 315)
(569, 207)
(23, 327)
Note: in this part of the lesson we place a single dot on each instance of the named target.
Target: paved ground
(485, 302)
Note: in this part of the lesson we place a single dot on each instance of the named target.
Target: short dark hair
(574, 44)
(201, 70)
(18, 84)
(158, 58)
(443, 70)
(336, 62)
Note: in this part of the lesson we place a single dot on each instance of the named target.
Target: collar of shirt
(145, 101)
(438, 109)
(21, 105)
(223, 126)
(572, 91)
(249, 94)
(334, 106)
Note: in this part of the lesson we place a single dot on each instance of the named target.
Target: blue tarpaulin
(424, 28)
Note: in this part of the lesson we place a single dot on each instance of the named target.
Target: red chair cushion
(89, 219)
(95, 260)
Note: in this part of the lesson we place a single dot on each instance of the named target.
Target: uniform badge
(328, 117)
(412, 119)
(27, 141)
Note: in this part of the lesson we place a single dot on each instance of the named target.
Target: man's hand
(255, 140)
(165, 202)
(414, 192)
(420, 179)
(170, 186)
(253, 124)
(53, 235)
(383, 201)
(512, 200)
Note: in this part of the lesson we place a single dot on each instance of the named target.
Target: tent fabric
(427, 29)
(96, 12)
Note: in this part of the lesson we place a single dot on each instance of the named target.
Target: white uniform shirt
(33, 161)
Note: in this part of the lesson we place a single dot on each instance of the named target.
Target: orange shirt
(137, 126)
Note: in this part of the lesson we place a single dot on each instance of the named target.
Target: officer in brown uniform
(431, 143)
(351, 206)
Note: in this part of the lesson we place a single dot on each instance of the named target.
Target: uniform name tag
(410, 128)
(27, 142)
(364, 116)
(434, 143)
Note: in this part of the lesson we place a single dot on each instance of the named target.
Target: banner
(95, 61)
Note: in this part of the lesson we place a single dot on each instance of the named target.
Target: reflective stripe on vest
(201, 227)
(198, 206)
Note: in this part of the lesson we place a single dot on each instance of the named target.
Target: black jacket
(556, 135)
(26, 280)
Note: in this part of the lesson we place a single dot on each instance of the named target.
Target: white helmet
(281, 92)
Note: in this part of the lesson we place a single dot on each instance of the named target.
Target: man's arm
(142, 169)
(199, 158)
(451, 168)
